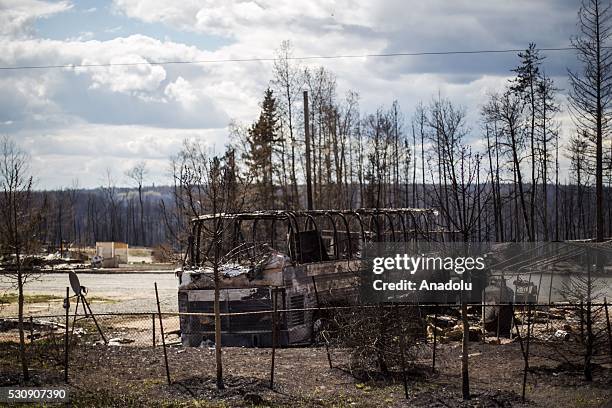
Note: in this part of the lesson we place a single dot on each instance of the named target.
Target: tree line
(500, 180)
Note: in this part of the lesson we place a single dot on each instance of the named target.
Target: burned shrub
(163, 253)
(377, 336)
(585, 340)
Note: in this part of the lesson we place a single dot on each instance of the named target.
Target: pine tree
(261, 139)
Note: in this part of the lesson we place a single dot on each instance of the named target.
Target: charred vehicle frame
(316, 262)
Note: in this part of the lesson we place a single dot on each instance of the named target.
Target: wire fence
(353, 338)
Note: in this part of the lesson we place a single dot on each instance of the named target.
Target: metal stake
(435, 336)
(608, 326)
(275, 308)
(314, 284)
(66, 340)
(161, 329)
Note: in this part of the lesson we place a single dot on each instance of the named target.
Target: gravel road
(120, 292)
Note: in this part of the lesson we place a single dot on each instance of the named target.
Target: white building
(113, 253)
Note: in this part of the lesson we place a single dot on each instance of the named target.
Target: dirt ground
(135, 376)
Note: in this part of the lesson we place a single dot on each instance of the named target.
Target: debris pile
(557, 324)
(449, 328)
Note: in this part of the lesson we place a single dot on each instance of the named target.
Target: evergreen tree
(261, 138)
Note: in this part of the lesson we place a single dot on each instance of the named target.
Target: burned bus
(291, 260)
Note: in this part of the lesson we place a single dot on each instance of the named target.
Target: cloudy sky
(78, 122)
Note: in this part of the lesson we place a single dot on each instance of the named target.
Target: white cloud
(112, 30)
(83, 36)
(17, 15)
(87, 92)
(123, 102)
(182, 91)
(85, 151)
(126, 78)
(223, 17)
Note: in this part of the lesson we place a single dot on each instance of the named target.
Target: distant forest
(84, 216)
